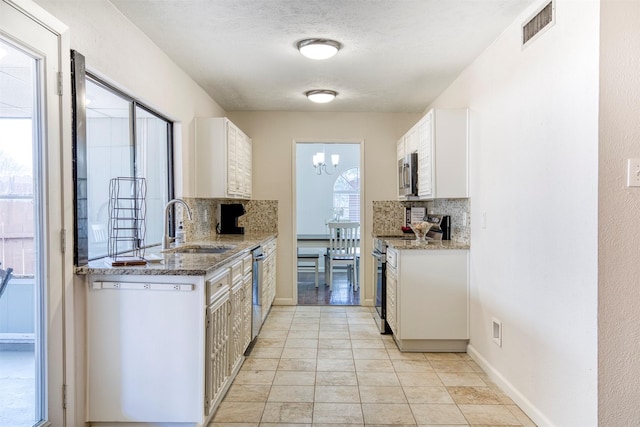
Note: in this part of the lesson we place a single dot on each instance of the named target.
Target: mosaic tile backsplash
(389, 216)
(261, 217)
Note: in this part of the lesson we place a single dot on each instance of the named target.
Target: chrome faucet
(166, 240)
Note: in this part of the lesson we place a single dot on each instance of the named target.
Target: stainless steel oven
(380, 286)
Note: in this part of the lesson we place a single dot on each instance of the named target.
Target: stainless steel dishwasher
(258, 276)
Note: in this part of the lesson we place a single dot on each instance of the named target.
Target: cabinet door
(233, 185)
(217, 370)
(237, 326)
(425, 156)
(400, 149)
(247, 310)
(247, 167)
(391, 299)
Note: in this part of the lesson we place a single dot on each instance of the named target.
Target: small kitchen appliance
(229, 214)
(441, 230)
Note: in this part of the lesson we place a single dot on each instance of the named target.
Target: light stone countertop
(172, 263)
(402, 244)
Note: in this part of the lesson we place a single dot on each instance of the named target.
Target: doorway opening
(328, 220)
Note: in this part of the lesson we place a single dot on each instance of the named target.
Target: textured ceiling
(397, 56)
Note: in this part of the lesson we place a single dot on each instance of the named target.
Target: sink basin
(203, 249)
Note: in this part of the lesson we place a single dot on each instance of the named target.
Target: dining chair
(304, 260)
(5, 276)
(343, 250)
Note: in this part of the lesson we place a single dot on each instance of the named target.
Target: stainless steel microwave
(408, 176)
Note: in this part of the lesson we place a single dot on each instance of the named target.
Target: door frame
(56, 186)
(294, 207)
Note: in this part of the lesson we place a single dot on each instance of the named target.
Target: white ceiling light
(318, 48)
(321, 96)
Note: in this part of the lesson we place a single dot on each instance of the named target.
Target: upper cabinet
(222, 160)
(440, 139)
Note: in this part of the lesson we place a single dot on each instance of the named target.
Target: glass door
(31, 340)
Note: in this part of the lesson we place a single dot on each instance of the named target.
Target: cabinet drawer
(236, 271)
(392, 258)
(217, 285)
(247, 263)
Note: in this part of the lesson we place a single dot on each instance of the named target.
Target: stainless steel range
(380, 289)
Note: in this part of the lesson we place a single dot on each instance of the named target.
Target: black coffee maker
(229, 214)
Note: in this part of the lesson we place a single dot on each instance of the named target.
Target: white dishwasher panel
(135, 330)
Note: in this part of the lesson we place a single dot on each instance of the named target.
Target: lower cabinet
(428, 299)
(167, 351)
(269, 280)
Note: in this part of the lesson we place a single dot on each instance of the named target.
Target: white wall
(314, 195)
(533, 162)
(273, 135)
(619, 237)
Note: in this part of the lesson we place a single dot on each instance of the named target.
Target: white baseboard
(531, 410)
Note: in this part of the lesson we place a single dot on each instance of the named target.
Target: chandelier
(320, 165)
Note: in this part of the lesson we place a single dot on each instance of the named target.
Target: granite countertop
(401, 244)
(408, 241)
(173, 263)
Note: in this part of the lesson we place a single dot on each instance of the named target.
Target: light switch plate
(633, 173)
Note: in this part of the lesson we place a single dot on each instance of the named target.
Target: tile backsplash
(389, 216)
(261, 217)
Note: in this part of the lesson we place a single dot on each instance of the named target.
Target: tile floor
(328, 365)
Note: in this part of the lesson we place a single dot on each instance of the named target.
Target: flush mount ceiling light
(321, 96)
(318, 48)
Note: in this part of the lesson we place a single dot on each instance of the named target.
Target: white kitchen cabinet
(269, 280)
(443, 154)
(440, 138)
(223, 160)
(428, 299)
(165, 349)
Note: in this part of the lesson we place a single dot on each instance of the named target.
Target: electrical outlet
(464, 219)
(496, 331)
(633, 173)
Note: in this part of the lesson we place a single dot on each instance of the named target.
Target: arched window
(346, 195)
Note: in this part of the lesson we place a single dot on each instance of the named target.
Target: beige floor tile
(303, 334)
(334, 413)
(377, 394)
(297, 365)
(299, 353)
(387, 413)
(427, 413)
(269, 342)
(461, 379)
(294, 378)
(395, 354)
(313, 326)
(338, 425)
(473, 395)
(451, 366)
(374, 365)
(247, 393)
(332, 333)
(334, 321)
(287, 412)
(360, 334)
(301, 343)
(521, 416)
(336, 378)
(332, 343)
(370, 343)
(335, 353)
(254, 377)
(403, 365)
(279, 425)
(382, 379)
(274, 333)
(444, 356)
(489, 414)
(266, 353)
(337, 393)
(277, 325)
(370, 353)
(417, 379)
(345, 365)
(212, 424)
(433, 394)
(239, 412)
(255, 364)
(291, 393)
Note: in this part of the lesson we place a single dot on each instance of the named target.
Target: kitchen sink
(203, 249)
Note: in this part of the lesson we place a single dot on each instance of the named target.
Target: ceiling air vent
(539, 22)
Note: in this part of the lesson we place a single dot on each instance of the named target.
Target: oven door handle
(382, 257)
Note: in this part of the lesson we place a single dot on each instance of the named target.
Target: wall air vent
(540, 22)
